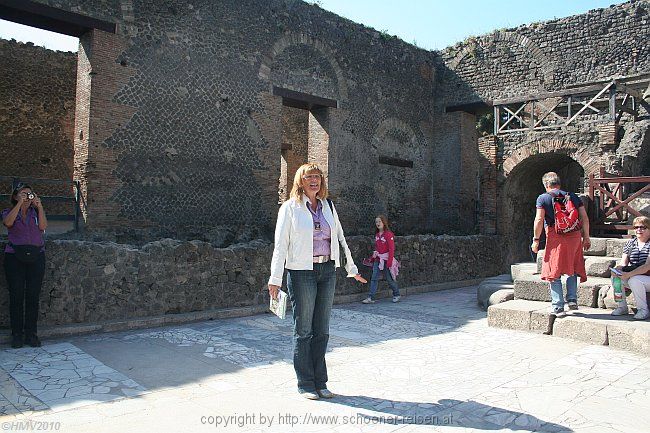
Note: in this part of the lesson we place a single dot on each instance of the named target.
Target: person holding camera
(24, 262)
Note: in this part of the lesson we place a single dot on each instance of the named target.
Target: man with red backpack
(565, 221)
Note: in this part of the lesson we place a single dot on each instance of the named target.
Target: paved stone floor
(429, 363)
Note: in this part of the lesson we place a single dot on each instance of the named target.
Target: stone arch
(392, 123)
(566, 147)
(547, 66)
(291, 39)
(521, 186)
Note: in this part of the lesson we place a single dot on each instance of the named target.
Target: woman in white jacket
(307, 238)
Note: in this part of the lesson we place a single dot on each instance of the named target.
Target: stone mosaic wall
(94, 281)
(37, 104)
(202, 147)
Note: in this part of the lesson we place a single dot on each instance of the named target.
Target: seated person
(636, 269)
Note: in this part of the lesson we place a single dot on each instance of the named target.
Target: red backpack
(567, 217)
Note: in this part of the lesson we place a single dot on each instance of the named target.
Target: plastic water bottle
(618, 289)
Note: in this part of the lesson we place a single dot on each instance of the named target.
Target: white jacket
(294, 239)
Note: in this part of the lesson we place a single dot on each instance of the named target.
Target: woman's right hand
(21, 198)
(273, 291)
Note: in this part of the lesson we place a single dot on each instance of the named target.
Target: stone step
(494, 290)
(596, 266)
(606, 247)
(590, 325)
(522, 268)
(532, 288)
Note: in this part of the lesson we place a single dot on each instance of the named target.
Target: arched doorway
(519, 192)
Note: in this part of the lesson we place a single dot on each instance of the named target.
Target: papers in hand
(616, 271)
(278, 306)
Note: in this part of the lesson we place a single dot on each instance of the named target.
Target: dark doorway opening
(518, 195)
(305, 136)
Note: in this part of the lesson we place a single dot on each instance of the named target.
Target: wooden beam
(612, 102)
(306, 101)
(34, 14)
(623, 179)
(625, 202)
(551, 111)
(590, 106)
(514, 115)
(606, 88)
(549, 95)
(398, 162)
(624, 109)
(626, 89)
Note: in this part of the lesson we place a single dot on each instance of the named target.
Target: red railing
(610, 202)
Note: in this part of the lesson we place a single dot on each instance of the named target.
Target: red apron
(563, 256)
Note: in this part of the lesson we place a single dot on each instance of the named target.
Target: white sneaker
(641, 314)
(558, 312)
(368, 300)
(621, 310)
(396, 298)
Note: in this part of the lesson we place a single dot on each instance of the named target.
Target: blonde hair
(309, 168)
(644, 220)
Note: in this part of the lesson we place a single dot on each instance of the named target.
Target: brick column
(488, 147)
(294, 147)
(607, 134)
(469, 169)
(97, 117)
(318, 141)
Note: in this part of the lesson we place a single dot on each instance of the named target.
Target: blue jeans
(374, 281)
(312, 296)
(557, 297)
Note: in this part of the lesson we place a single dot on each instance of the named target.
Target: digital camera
(30, 196)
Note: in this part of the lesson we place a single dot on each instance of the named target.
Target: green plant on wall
(485, 125)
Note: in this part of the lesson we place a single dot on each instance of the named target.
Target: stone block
(490, 286)
(513, 314)
(522, 268)
(598, 247)
(606, 298)
(577, 327)
(501, 296)
(630, 335)
(532, 288)
(615, 247)
(599, 266)
(540, 320)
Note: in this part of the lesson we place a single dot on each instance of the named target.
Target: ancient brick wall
(551, 55)
(184, 137)
(554, 55)
(37, 103)
(200, 144)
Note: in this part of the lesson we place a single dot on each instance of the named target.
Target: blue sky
(437, 24)
(430, 24)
